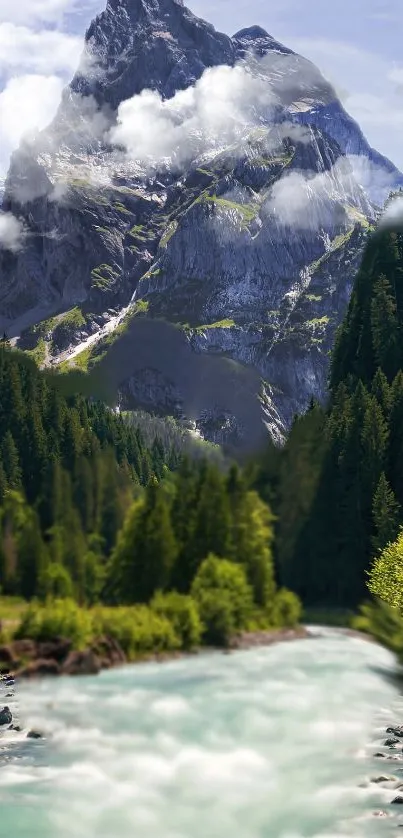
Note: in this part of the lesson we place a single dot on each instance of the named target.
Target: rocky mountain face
(191, 221)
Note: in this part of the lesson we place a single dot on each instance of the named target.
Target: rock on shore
(31, 659)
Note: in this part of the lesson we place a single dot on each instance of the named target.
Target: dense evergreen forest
(68, 471)
(91, 512)
(337, 486)
(95, 510)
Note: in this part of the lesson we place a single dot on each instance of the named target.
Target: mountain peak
(257, 40)
(251, 33)
(150, 8)
(148, 44)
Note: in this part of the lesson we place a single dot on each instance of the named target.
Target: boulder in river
(391, 742)
(34, 734)
(5, 716)
(382, 779)
(398, 800)
(395, 731)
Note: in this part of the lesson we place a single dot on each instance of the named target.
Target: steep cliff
(217, 221)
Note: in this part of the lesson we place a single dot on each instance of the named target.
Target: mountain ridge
(264, 231)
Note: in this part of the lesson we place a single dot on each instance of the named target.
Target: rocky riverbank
(31, 659)
(9, 717)
(392, 752)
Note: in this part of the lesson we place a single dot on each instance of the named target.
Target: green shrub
(57, 618)
(137, 629)
(386, 575)
(383, 622)
(217, 615)
(224, 599)
(183, 614)
(285, 609)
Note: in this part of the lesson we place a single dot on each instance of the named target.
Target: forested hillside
(338, 484)
(93, 509)
(68, 470)
(90, 511)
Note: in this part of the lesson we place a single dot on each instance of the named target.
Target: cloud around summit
(11, 232)
(211, 113)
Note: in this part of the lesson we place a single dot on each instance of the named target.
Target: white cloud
(30, 12)
(375, 180)
(11, 232)
(309, 201)
(394, 213)
(44, 52)
(211, 113)
(38, 57)
(27, 104)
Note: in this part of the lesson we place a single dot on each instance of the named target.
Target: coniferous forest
(92, 513)
(337, 486)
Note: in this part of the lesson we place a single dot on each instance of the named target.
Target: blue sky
(356, 44)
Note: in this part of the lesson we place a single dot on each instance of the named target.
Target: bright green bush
(285, 609)
(383, 622)
(386, 575)
(224, 599)
(138, 630)
(183, 614)
(217, 616)
(57, 618)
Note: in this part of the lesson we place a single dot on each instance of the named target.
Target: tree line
(337, 486)
(68, 471)
(91, 512)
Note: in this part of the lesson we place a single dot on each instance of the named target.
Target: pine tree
(157, 544)
(212, 525)
(253, 538)
(386, 515)
(183, 517)
(381, 390)
(10, 461)
(146, 550)
(32, 555)
(395, 470)
(374, 442)
(385, 328)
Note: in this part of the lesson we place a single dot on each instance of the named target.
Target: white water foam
(269, 743)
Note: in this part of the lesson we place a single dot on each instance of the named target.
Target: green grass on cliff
(103, 277)
(169, 232)
(220, 324)
(248, 212)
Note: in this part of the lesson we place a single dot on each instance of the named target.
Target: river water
(275, 742)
